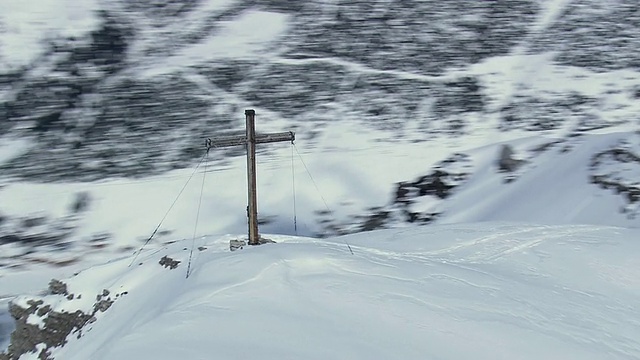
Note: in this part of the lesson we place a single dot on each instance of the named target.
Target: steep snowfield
(479, 291)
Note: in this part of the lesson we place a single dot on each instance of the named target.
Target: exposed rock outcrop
(39, 328)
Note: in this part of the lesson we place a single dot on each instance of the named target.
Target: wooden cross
(250, 140)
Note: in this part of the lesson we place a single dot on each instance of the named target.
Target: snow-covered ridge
(475, 291)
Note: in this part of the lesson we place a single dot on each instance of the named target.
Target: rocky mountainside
(130, 95)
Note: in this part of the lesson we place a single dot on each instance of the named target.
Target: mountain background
(407, 112)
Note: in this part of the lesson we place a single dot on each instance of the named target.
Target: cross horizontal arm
(226, 141)
(275, 137)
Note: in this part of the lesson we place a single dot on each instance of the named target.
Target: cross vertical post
(252, 209)
(250, 140)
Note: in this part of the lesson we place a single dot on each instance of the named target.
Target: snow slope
(554, 187)
(476, 291)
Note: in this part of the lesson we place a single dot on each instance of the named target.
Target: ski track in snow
(489, 249)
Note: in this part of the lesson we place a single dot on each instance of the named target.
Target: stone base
(237, 244)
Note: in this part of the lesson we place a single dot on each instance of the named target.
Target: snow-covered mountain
(406, 112)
